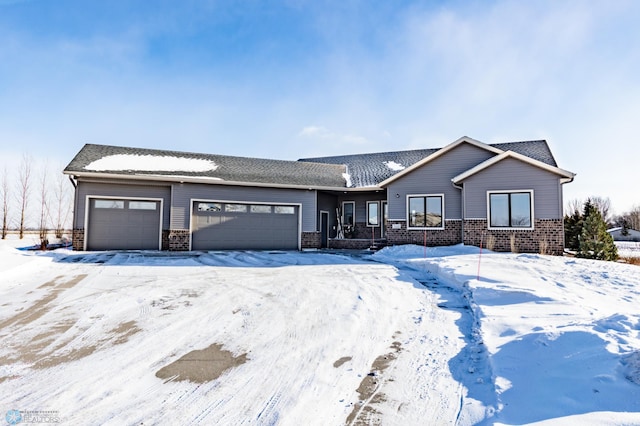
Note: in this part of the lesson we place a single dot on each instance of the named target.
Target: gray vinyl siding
(328, 202)
(361, 199)
(182, 195)
(435, 178)
(512, 174)
(121, 191)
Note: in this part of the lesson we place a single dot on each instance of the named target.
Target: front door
(324, 229)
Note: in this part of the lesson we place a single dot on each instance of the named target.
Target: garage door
(123, 224)
(234, 226)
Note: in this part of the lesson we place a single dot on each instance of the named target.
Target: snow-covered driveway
(295, 338)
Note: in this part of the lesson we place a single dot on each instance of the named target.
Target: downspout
(562, 182)
(75, 207)
(461, 188)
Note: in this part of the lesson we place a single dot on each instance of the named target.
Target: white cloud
(319, 132)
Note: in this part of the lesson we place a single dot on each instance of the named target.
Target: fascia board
(510, 154)
(440, 152)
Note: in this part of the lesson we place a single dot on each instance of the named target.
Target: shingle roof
(371, 169)
(229, 168)
(364, 170)
(538, 150)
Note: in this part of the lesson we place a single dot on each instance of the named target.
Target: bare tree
(604, 207)
(632, 218)
(4, 199)
(573, 206)
(44, 209)
(62, 201)
(24, 185)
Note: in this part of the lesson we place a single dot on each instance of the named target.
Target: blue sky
(293, 79)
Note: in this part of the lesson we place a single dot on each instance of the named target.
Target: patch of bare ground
(201, 366)
(41, 307)
(630, 260)
(341, 361)
(116, 336)
(364, 412)
(39, 353)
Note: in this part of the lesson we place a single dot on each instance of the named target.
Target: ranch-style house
(508, 194)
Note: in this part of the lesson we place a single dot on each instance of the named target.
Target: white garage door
(121, 224)
(236, 226)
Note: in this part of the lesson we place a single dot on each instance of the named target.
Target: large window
(348, 213)
(425, 211)
(511, 209)
(373, 213)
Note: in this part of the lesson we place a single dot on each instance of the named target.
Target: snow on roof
(163, 163)
(394, 166)
(347, 178)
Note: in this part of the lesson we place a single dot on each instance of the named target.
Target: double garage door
(134, 224)
(121, 224)
(239, 226)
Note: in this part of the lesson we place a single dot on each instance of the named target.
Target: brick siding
(77, 239)
(311, 240)
(362, 231)
(547, 237)
(179, 239)
(354, 243)
(450, 235)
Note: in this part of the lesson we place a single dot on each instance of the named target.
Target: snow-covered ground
(405, 336)
(628, 248)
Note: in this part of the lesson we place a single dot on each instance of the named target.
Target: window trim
(369, 224)
(425, 196)
(511, 191)
(353, 203)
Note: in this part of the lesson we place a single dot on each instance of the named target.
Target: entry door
(324, 229)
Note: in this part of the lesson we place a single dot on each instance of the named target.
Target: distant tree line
(628, 220)
(34, 198)
(585, 229)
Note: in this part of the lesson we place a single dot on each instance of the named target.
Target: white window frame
(511, 191)
(354, 212)
(377, 204)
(428, 228)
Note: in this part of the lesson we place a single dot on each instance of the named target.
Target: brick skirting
(179, 239)
(547, 237)
(362, 231)
(77, 239)
(450, 235)
(310, 240)
(354, 243)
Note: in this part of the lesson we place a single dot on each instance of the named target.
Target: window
(235, 208)
(348, 213)
(209, 207)
(510, 209)
(284, 210)
(142, 205)
(109, 204)
(260, 208)
(425, 211)
(373, 213)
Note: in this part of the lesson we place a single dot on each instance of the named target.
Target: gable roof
(152, 164)
(355, 172)
(368, 170)
(510, 154)
(379, 169)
